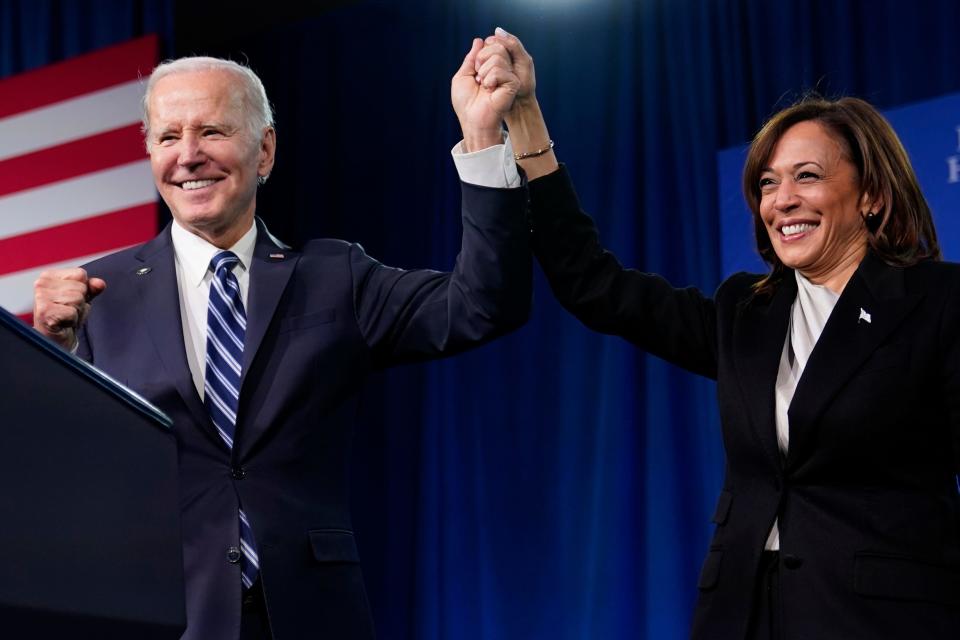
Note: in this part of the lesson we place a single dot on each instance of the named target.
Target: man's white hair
(256, 110)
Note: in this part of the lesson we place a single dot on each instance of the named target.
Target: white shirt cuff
(490, 167)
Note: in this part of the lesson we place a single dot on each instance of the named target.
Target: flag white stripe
(16, 289)
(112, 189)
(73, 119)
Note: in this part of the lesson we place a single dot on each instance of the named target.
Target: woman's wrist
(532, 145)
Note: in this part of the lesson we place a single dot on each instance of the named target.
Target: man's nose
(191, 151)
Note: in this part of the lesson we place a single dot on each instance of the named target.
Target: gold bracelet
(533, 154)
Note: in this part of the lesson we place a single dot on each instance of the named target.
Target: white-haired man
(257, 351)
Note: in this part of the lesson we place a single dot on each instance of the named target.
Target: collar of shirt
(823, 294)
(194, 253)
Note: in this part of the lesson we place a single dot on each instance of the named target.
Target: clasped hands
(495, 80)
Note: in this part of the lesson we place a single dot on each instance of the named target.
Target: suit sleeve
(410, 315)
(678, 325)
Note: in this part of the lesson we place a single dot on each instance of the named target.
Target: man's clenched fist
(61, 301)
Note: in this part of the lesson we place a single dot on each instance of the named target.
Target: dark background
(556, 484)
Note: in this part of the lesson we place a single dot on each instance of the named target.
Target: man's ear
(268, 150)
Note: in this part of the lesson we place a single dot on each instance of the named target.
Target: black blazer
(318, 321)
(867, 499)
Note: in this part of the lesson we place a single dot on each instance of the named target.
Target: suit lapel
(761, 329)
(272, 266)
(871, 307)
(270, 271)
(155, 280)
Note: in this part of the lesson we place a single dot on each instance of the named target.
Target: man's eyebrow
(217, 125)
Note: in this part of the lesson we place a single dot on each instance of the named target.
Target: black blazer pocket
(334, 545)
(710, 573)
(895, 577)
(323, 316)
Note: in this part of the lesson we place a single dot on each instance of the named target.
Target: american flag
(75, 181)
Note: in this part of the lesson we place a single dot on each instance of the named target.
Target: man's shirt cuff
(490, 167)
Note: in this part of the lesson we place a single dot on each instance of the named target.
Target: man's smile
(193, 185)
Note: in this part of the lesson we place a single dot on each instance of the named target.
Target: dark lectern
(89, 514)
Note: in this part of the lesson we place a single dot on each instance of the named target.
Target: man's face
(205, 161)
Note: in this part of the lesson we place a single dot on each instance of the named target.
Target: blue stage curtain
(556, 484)
(34, 33)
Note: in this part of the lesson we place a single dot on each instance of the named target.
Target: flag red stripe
(77, 76)
(26, 317)
(80, 238)
(72, 159)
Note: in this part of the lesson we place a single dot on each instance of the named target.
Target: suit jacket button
(238, 473)
(791, 561)
(233, 555)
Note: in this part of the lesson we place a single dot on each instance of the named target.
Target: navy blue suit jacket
(318, 322)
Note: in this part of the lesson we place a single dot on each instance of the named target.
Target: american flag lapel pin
(276, 256)
(864, 316)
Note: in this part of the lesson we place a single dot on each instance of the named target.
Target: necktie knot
(223, 260)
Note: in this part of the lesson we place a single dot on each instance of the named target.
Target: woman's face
(810, 203)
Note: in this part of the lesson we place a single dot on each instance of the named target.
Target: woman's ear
(871, 205)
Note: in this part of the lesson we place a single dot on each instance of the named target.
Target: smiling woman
(838, 375)
(838, 169)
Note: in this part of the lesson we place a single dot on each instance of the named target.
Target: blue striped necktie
(226, 327)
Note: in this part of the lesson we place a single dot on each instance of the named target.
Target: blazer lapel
(273, 264)
(761, 329)
(872, 305)
(155, 280)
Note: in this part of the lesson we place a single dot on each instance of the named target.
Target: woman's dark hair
(902, 234)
